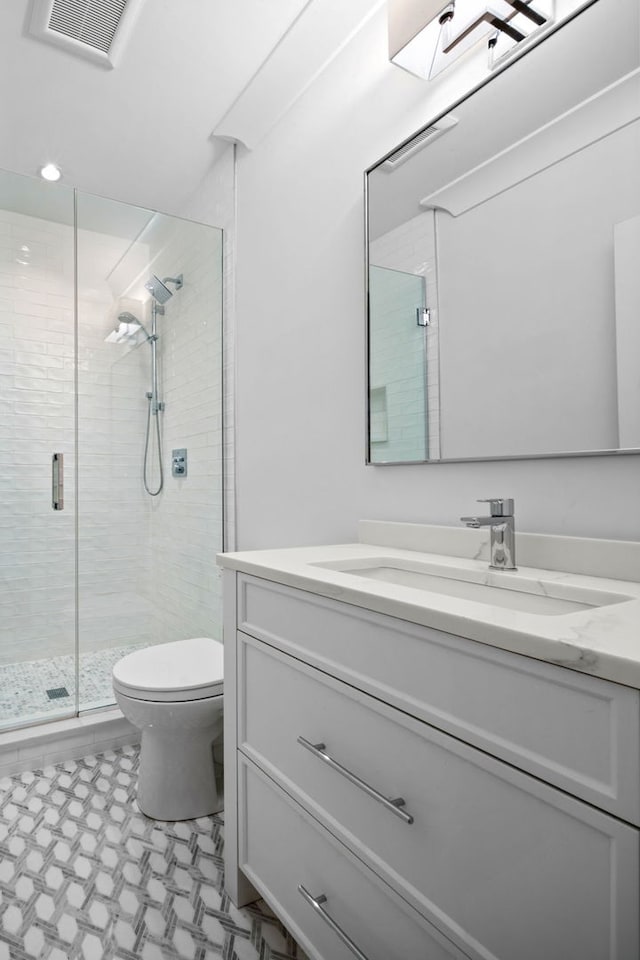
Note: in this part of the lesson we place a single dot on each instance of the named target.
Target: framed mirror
(503, 268)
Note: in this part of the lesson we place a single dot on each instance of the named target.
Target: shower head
(159, 290)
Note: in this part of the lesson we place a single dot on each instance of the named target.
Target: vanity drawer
(506, 866)
(577, 732)
(282, 847)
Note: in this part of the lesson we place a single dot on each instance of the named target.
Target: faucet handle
(499, 506)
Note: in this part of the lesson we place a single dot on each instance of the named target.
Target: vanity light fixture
(427, 36)
(50, 172)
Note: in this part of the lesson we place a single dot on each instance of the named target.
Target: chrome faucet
(503, 532)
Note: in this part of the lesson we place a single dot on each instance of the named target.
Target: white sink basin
(508, 590)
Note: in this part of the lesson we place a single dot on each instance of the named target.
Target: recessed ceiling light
(50, 172)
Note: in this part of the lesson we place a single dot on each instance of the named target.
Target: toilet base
(180, 744)
(175, 783)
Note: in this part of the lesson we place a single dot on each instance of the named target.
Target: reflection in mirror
(511, 229)
(399, 375)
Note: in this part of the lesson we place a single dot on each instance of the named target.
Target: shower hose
(152, 493)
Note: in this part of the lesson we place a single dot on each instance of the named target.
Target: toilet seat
(172, 672)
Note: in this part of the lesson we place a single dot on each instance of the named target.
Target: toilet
(173, 692)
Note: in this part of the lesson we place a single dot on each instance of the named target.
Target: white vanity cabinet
(448, 799)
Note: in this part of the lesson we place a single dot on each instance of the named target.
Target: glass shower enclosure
(111, 432)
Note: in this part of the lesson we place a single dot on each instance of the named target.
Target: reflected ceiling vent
(428, 135)
(93, 29)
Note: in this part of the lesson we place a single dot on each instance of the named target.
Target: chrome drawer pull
(318, 750)
(316, 903)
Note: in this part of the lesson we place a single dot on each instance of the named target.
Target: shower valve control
(179, 463)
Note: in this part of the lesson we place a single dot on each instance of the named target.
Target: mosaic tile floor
(83, 874)
(23, 686)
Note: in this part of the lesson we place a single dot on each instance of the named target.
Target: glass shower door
(37, 431)
(115, 613)
(107, 312)
(150, 393)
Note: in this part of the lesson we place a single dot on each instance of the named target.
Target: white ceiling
(142, 132)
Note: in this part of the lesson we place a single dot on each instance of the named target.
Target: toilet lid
(183, 670)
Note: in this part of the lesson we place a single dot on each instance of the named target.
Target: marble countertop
(602, 641)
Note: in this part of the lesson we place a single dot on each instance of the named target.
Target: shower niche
(110, 358)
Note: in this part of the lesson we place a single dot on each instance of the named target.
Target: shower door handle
(57, 481)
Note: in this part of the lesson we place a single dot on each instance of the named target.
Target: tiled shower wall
(113, 517)
(186, 527)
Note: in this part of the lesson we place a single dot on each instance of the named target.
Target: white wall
(301, 475)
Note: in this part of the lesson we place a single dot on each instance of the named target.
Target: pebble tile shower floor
(83, 874)
(24, 686)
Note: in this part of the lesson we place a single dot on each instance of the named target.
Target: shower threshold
(56, 741)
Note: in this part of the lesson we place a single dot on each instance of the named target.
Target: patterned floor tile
(85, 876)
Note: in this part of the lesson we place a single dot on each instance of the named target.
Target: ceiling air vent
(93, 29)
(428, 135)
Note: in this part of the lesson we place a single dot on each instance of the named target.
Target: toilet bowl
(173, 693)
